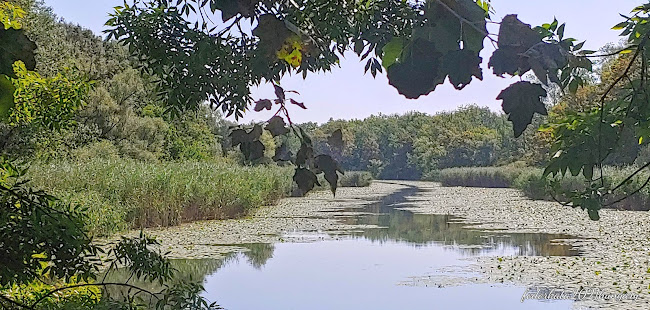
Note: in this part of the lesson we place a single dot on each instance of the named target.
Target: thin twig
(630, 194)
(631, 176)
(608, 54)
(602, 106)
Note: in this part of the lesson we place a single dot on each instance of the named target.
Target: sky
(346, 93)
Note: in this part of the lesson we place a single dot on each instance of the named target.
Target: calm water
(372, 269)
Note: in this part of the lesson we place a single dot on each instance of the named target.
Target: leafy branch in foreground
(44, 241)
(585, 140)
(419, 44)
(308, 165)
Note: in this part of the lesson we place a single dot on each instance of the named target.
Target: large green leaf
(392, 52)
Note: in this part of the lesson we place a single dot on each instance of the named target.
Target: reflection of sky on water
(373, 268)
(364, 270)
(356, 274)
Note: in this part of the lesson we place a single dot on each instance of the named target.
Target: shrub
(355, 179)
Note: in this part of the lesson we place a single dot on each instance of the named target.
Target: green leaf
(593, 214)
(358, 47)
(573, 86)
(620, 26)
(391, 52)
(560, 31)
(7, 90)
(521, 101)
(553, 25)
(15, 46)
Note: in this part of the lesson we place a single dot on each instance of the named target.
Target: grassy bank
(122, 194)
(530, 182)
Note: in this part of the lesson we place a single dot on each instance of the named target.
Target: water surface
(373, 268)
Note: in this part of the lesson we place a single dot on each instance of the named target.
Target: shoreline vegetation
(127, 194)
(530, 181)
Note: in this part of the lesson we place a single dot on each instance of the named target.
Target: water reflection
(362, 269)
(423, 229)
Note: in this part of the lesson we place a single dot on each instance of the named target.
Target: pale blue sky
(346, 93)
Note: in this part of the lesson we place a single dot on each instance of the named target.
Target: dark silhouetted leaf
(14, 46)
(515, 38)
(417, 74)
(7, 90)
(263, 104)
(305, 155)
(300, 104)
(521, 101)
(238, 136)
(279, 92)
(305, 179)
(252, 150)
(336, 139)
(276, 126)
(327, 165)
(461, 65)
(546, 59)
(282, 153)
(272, 33)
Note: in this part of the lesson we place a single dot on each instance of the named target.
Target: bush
(355, 179)
(129, 194)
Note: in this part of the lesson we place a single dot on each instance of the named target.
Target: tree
(305, 36)
(42, 238)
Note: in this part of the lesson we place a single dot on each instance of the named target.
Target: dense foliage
(416, 145)
(420, 44)
(66, 94)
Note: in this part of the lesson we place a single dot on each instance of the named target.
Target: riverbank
(534, 185)
(614, 251)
